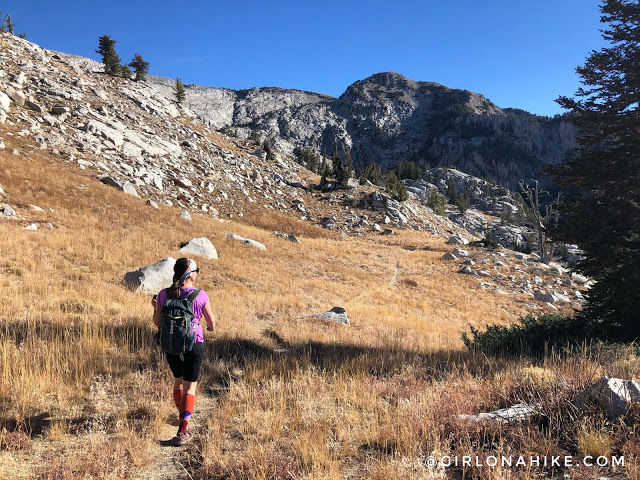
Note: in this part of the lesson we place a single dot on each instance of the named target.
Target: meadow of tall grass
(85, 393)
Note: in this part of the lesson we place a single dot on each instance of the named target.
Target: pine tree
(140, 67)
(180, 91)
(348, 165)
(110, 58)
(7, 24)
(266, 146)
(338, 167)
(462, 202)
(604, 217)
(452, 194)
(437, 202)
(373, 173)
(396, 188)
(125, 71)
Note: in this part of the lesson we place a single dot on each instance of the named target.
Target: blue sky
(517, 54)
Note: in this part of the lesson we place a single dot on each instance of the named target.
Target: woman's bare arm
(209, 317)
(156, 315)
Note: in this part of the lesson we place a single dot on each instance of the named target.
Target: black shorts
(189, 368)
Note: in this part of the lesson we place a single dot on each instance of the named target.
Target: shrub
(525, 248)
(437, 202)
(77, 306)
(396, 188)
(534, 336)
(490, 241)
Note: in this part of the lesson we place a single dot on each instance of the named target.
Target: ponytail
(181, 266)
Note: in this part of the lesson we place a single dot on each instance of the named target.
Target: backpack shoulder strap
(193, 294)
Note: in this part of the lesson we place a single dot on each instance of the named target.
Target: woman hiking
(185, 366)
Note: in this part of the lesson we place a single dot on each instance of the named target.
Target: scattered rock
(183, 182)
(7, 211)
(32, 227)
(449, 256)
(288, 236)
(33, 106)
(545, 297)
(247, 241)
(200, 246)
(336, 314)
(59, 110)
(5, 101)
(151, 278)
(256, 177)
(517, 413)
(579, 279)
(185, 215)
(613, 395)
(388, 231)
(126, 187)
(457, 240)
(352, 183)
(152, 203)
(328, 222)
(461, 253)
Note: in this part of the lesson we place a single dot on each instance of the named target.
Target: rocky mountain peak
(388, 118)
(389, 80)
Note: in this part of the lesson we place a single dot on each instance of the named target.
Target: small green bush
(437, 202)
(490, 241)
(534, 336)
(396, 188)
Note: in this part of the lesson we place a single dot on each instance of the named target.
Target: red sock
(177, 397)
(186, 409)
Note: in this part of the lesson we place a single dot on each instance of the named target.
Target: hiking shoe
(183, 438)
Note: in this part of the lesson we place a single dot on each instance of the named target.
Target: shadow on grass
(226, 360)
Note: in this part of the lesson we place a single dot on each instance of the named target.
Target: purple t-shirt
(198, 306)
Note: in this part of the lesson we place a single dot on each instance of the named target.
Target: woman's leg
(191, 373)
(176, 365)
(177, 391)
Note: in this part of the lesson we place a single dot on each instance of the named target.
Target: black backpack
(177, 328)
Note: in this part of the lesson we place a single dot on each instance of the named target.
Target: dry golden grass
(86, 395)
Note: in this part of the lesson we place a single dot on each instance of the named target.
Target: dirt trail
(170, 461)
(394, 278)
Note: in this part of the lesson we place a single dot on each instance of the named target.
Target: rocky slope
(133, 137)
(387, 119)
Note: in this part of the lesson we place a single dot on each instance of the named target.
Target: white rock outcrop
(151, 278)
(336, 315)
(613, 395)
(201, 247)
(246, 241)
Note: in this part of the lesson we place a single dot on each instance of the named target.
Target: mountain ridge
(388, 118)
